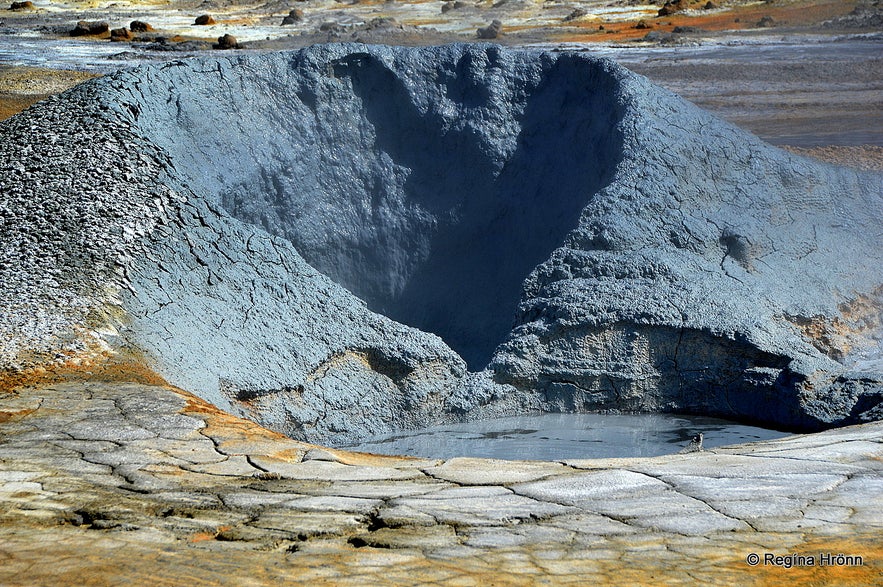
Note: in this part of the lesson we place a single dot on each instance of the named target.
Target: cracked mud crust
(198, 497)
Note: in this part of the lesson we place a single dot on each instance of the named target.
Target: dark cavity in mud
(431, 203)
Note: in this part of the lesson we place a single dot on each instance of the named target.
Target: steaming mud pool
(551, 437)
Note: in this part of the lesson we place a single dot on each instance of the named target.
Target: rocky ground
(139, 482)
(809, 76)
(190, 24)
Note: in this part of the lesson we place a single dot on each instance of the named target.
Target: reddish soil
(800, 14)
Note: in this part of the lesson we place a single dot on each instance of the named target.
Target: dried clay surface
(136, 483)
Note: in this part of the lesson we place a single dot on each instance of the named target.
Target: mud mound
(279, 233)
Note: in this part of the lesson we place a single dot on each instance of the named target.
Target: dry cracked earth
(105, 482)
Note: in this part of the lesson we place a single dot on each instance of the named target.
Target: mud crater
(431, 203)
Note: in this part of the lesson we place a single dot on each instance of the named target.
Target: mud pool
(552, 437)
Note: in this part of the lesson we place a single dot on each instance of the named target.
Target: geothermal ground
(353, 240)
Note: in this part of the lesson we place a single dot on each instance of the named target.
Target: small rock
(686, 30)
(19, 6)
(86, 28)
(296, 15)
(643, 25)
(137, 26)
(318, 454)
(577, 13)
(122, 34)
(657, 37)
(226, 42)
(766, 22)
(673, 6)
(267, 476)
(709, 5)
(124, 56)
(204, 20)
(694, 446)
(382, 23)
(492, 31)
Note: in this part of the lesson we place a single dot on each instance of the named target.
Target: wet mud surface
(551, 437)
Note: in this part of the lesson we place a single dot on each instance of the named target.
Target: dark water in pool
(566, 436)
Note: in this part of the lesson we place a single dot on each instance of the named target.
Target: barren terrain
(810, 77)
(110, 474)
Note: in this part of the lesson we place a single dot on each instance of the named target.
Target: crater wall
(429, 187)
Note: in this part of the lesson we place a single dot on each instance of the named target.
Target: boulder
(660, 37)
(90, 28)
(492, 31)
(204, 20)
(137, 26)
(22, 6)
(122, 34)
(295, 15)
(226, 42)
(673, 6)
(331, 27)
(382, 23)
(575, 15)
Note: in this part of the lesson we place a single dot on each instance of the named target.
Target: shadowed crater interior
(431, 203)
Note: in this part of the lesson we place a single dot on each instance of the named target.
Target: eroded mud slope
(316, 238)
